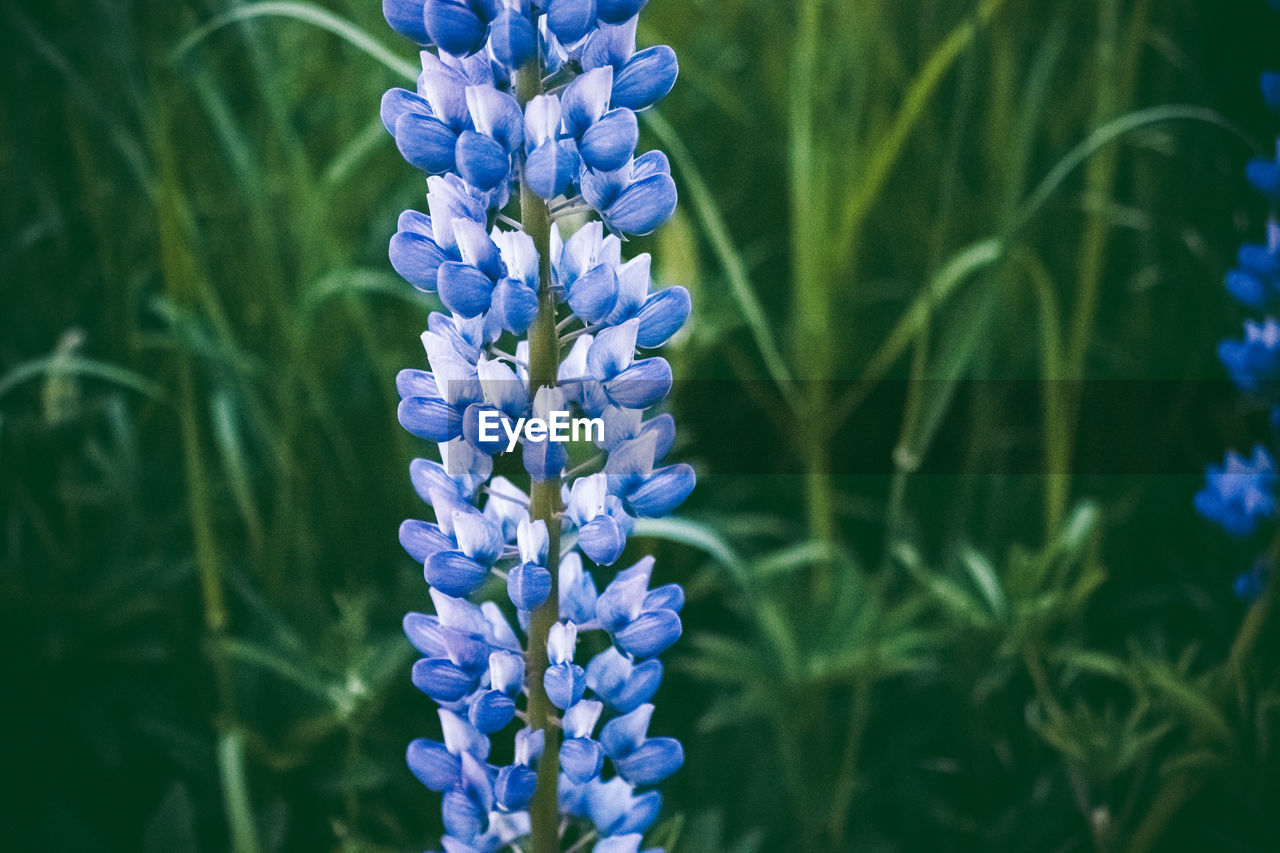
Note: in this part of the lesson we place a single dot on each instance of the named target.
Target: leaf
(694, 534)
(984, 578)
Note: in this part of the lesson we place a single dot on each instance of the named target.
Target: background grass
(950, 383)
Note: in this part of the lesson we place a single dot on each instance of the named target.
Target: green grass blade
(1113, 130)
(306, 13)
(64, 364)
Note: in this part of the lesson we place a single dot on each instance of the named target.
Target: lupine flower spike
(1240, 494)
(526, 110)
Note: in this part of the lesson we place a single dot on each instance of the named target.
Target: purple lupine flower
(479, 124)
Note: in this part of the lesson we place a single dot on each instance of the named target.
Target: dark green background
(1018, 646)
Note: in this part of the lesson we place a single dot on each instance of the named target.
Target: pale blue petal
(646, 78)
(440, 679)
(663, 492)
(426, 142)
(641, 385)
(655, 760)
(434, 765)
(662, 316)
(643, 206)
(650, 634)
(609, 143)
(454, 573)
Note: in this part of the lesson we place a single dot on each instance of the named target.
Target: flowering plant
(533, 105)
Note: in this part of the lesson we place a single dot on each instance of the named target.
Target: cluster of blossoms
(1240, 495)
(536, 101)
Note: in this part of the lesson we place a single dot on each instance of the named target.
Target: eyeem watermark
(558, 427)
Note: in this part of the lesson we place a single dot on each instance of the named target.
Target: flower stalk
(545, 504)
(493, 138)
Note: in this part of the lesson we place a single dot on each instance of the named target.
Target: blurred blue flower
(1239, 493)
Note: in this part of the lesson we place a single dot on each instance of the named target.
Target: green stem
(544, 361)
(847, 781)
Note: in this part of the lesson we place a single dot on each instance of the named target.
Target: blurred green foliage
(201, 473)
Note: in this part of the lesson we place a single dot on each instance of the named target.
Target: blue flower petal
(466, 650)
(662, 315)
(581, 759)
(570, 20)
(640, 816)
(618, 844)
(454, 573)
(654, 761)
(602, 189)
(417, 259)
(1246, 289)
(425, 633)
(463, 818)
(1265, 176)
(528, 586)
(593, 295)
(477, 784)
(544, 460)
(406, 18)
(617, 11)
(514, 787)
(646, 78)
(426, 142)
(609, 143)
(623, 735)
(441, 679)
(624, 598)
(637, 688)
(491, 711)
(421, 539)
(430, 478)
(643, 206)
(663, 492)
(603, 540)
(650, 163)
(666, 597)
(1258, 260)
(641, 385)
(512, 39)
(565, 683)
(552, 167)
(481, 160)
(611, 351)
(471, 429)
(464, 289)
(397, 102)
(585, 100)
(1271, 89)
(411, 382)
(663, 430)
(650, 634)
(434, 765)
(430, 418)
(516, 304)
(576, 590)
(454, 27)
